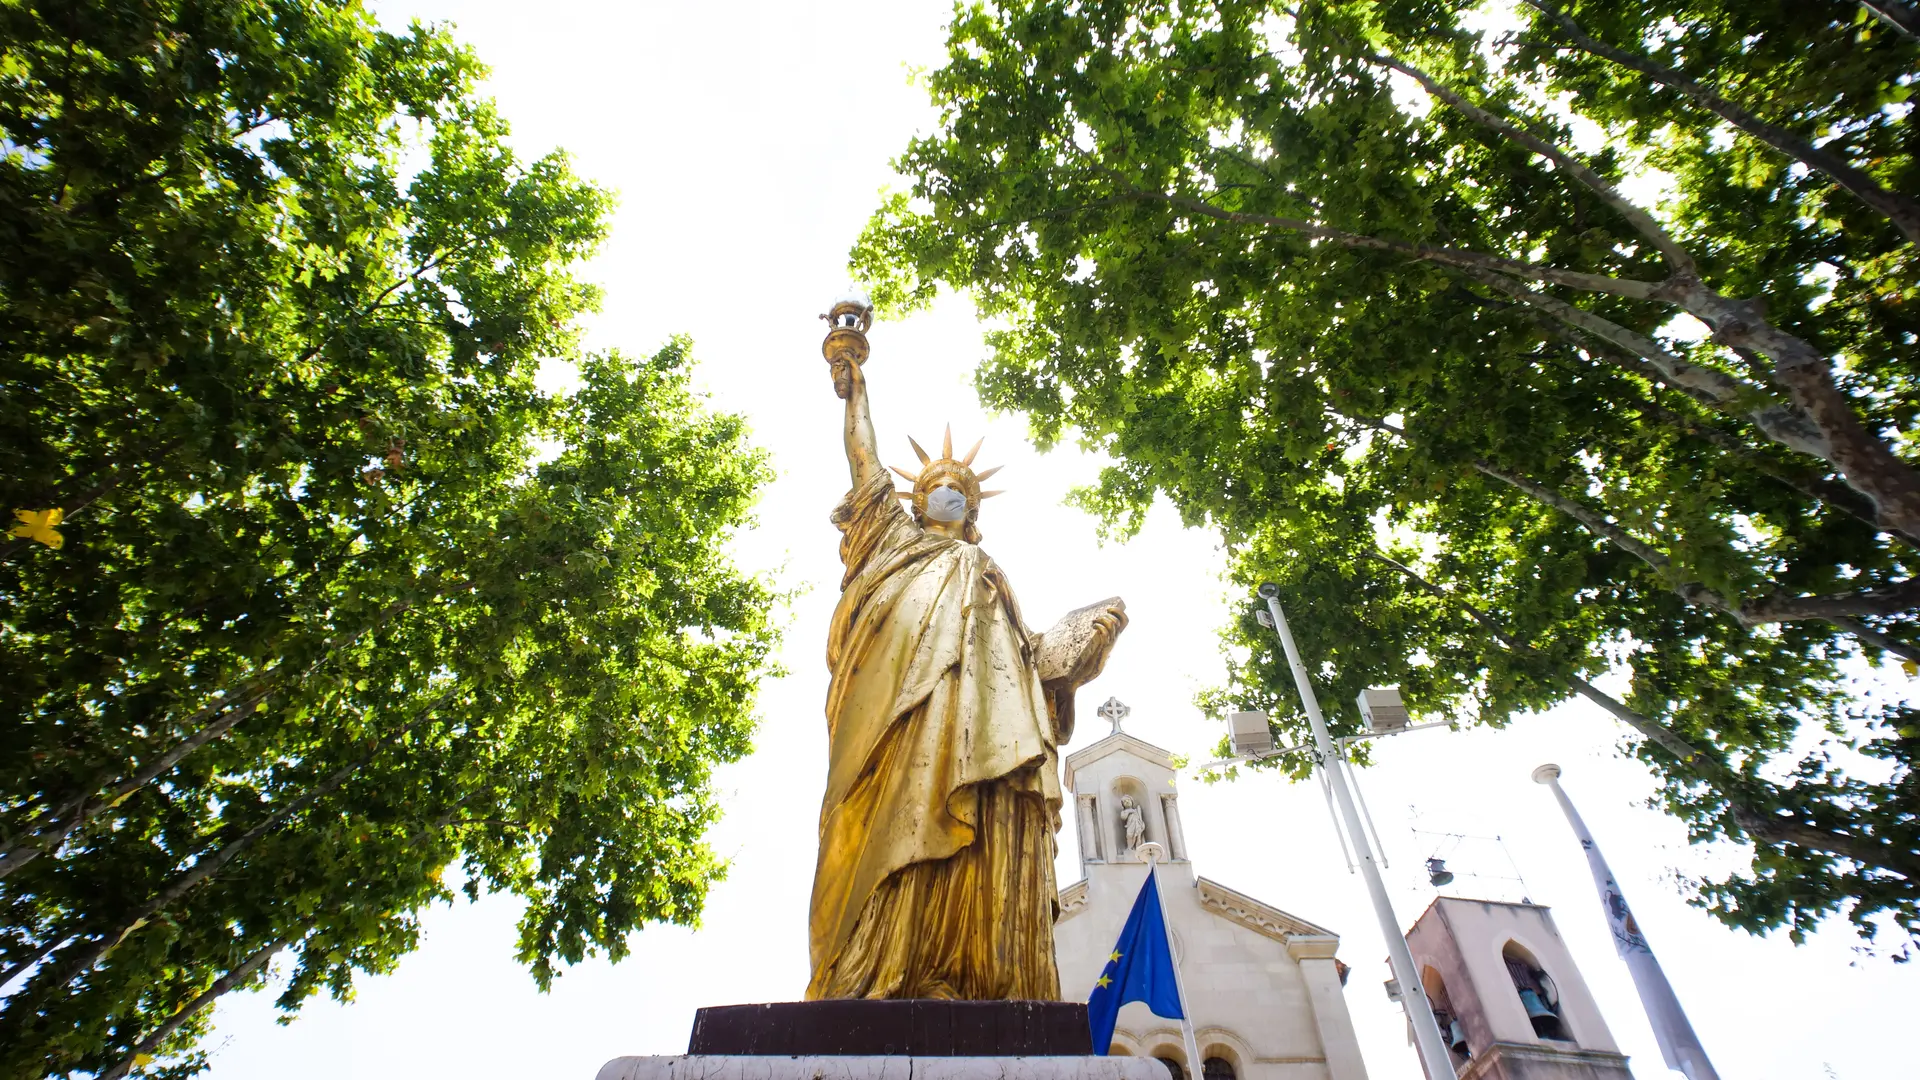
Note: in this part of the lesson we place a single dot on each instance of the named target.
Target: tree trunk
(238, 976)
(50, 830)
(78, 958)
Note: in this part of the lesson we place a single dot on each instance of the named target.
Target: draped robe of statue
(935, 875)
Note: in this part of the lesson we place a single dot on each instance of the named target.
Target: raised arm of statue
(846, 350)
(863, 453)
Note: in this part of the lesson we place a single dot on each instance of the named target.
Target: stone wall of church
(1263, 987)
(1266, 1012)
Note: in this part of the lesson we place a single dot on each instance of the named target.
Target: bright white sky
(748, 142)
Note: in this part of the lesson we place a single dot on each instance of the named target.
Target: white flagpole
(1435, 1058)
(1151, 852)
(1679, 1046)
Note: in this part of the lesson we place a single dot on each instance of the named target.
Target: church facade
(1265, 987)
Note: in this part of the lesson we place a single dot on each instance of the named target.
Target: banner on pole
(1679, 1047)
(1140, 968)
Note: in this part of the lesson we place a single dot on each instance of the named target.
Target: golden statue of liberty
(944, 719)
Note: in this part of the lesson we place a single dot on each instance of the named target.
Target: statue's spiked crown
(946, 466)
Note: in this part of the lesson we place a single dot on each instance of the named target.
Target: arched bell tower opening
(1451, 1028)
(1509, 997)
(1539, 996)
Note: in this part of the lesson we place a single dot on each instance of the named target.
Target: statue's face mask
(946, 489)
(946, 504)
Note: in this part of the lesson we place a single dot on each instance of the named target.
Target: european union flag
(1140, 969)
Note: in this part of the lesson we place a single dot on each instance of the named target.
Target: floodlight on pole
(1413, 995)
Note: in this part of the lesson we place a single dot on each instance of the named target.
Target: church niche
(1132, 824)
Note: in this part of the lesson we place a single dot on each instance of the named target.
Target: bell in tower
(1515, 1003)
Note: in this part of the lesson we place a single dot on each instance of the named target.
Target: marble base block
(879, 1067)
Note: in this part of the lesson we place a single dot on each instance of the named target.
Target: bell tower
(1509, 999)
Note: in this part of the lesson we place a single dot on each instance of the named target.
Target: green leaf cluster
(344, 598)
(1522, 355)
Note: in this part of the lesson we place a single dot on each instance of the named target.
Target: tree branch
(1823, 421)
(1444, 256)
(1838, 609)
(48, 831)
(78, 959)
(1703, 765)
(1894, 599)
(1902, 211)
(1595, 521)
(1875, 638)
(145, 1047)
(1793, 427)
(1805, 481)
(26, 963)
(1899, 14)
(1784, 423)
(1761, 825)
(1677, 257)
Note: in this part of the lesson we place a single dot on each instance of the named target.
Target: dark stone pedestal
(913, 1027)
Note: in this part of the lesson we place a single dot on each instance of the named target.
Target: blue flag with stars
(1140, 969)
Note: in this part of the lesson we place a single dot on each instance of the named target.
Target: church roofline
(1263, 919)
(1502, 903)
(1230, 904)
(1072, 899)
(1445, 899)
(1113, 744)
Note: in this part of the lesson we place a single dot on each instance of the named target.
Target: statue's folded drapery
(935, 875)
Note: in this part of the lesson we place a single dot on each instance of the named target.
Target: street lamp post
(1413, 994)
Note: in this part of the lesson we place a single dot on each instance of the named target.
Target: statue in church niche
(945, 715)
(1133, 821)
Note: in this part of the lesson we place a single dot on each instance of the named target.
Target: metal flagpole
(1679, 1046)
(1151, 852)
(1413, 994)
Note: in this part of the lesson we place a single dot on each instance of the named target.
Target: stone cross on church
(1113, 712)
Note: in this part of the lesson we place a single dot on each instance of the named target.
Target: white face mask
(946, 504)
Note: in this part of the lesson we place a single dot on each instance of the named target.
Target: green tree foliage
(341, 597)
(1523, 345)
